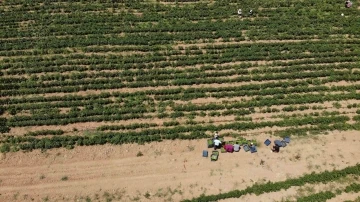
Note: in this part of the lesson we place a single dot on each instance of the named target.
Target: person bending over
(217, 144)
(275, 149)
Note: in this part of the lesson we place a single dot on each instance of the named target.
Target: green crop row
(197, 131)
(326, 195)
(97, 84)
(354, 187)
(126, 127)
(159, 13)
(169, 74)
(46, 120)
(164, 92)
(45, 132)
(99, 62)
(318, 197)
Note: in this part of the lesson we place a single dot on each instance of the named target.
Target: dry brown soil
(167, 171)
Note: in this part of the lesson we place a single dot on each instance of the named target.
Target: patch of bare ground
(173, 4)
(129, 90)
(198, 66)
(261, 64)
(103, 53)
(342, 36)
(327, 105)
(342, 83)
(174, 165)
(112, 53)
(90, 127)
(88, 92)
(25, 24)
(79, 128)
(38, 37)
(208, 100)
(218, 42)
(255, 62)
(258, 116)
(295, 192)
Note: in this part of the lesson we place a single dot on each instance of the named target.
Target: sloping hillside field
(114, 100)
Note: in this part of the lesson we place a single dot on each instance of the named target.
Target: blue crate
(287, 139)
(205, 153)
(253, 149)
(267, 142)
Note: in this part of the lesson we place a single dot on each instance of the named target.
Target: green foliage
(319, 197)
(147, 62)
(2, 110)
(4, 148)
(45, 132)
(176, 132)
(64, 178)
(354, 187)
(4, 125)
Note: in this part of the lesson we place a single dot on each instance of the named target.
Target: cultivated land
(86, 87)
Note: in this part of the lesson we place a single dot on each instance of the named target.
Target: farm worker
(275, 149)
(251, 12)
(239, 12)
(216, 135)
(236, 147)
(348, 4)
(217, 144)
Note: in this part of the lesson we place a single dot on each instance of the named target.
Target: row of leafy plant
(113, 83)
(157, 134)
(258, 53)
(113, 112)
(199, 12)
(48, 115)
(159, 56)
(172, 74)
(44, 132)
(326, 195)
(173, 92)
(178, 93)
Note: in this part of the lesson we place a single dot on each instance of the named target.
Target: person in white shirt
(217, 144)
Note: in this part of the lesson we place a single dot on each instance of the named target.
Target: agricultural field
(113, 100)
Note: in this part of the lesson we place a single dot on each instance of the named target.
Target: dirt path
(168, 171)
